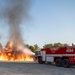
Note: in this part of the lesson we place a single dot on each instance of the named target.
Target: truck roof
(60, 50)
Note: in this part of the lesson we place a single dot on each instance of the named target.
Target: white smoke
(25, 50)
(28, 51)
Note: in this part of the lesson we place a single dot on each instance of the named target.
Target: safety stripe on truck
(60, 55)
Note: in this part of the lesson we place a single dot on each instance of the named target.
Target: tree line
(33, 48)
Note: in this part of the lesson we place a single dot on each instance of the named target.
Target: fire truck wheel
(66, 63)
(58, 62)
(40, 61)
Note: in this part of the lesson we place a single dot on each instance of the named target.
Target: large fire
(9, 53)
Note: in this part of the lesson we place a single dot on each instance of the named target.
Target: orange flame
(11, 54)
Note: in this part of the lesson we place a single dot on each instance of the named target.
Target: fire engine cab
(63, 56)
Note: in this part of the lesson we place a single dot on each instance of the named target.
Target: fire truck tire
(40, 61)
(66, 63)
(58, 62)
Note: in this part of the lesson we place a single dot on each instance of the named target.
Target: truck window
(37, 53)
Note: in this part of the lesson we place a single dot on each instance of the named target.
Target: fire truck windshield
(37, 52)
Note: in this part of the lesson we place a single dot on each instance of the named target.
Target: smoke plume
(15, 11)
(19, 8)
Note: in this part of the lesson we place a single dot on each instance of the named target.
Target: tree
(48, 46)
(54, 45)
(58, 44)
(66, 44)
(32, 48)
(36, 46)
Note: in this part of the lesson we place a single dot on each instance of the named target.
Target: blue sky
(54, 21)
(51, 21)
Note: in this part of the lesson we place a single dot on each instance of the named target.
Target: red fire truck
(63, 56)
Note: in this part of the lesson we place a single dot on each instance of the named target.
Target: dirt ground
(32, 68)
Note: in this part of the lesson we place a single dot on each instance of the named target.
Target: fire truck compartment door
(43, 54)
(49, 59)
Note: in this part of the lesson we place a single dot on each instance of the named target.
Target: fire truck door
(43, 53)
